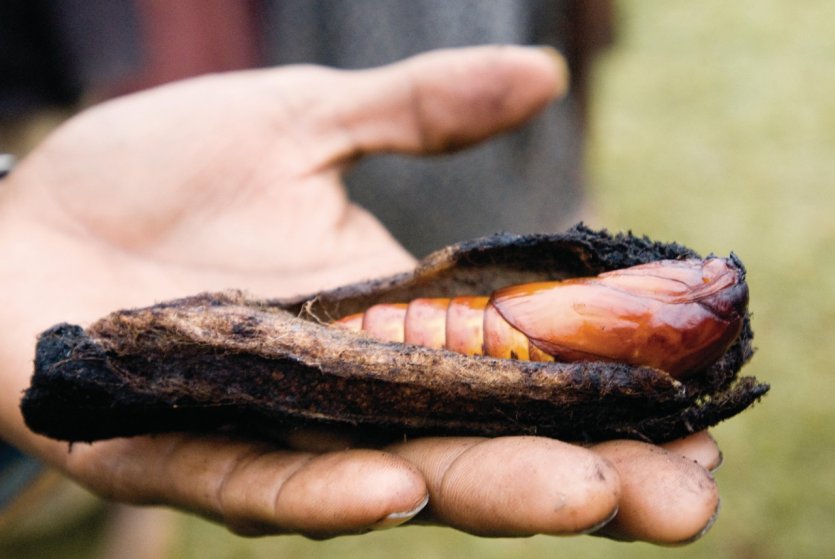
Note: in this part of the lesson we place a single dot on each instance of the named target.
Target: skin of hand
(234, 181)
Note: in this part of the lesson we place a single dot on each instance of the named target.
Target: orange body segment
(503, 340)
(425, 322)
(465, 325)
(385, 322)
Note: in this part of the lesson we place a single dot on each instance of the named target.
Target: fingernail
(719, 461)
(707, 527)
(561, 66)
(601, 524)
(398, 518)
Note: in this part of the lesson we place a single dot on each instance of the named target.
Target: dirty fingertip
(668, 498)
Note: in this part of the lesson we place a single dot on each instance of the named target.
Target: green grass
(713, 124)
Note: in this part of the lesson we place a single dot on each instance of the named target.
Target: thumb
(445, 100)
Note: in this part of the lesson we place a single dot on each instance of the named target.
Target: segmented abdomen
(678, 316)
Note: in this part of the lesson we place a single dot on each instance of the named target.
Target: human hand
(234, 181)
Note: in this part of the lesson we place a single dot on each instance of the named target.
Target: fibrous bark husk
(256, 367)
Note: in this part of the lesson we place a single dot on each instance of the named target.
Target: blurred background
(709, 123)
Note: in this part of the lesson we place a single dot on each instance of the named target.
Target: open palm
(234, 181)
